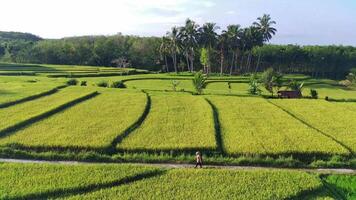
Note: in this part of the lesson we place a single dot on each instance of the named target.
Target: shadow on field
(325, 191)
(23, 124)
(32, 97)
(316, 193)
(312, 127)
(133, 127)
(25, 68)
(217, 127)
(60, 193)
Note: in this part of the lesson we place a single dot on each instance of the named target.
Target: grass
(185, 85)
(331, 119)
(342, 185)
(45, 181)
(214, 184)
(15, 88)
(253, 126)
(94, 123)
(175, 122)
(15, 114)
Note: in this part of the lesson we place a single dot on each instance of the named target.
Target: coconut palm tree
(189, 37)
(265, 24)
(164, 51)
(252, 37)
(174, 44)
(223, 44)
(234, 36)
(208, 39)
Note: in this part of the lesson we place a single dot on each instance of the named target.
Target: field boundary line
(133, 126)
(314, 128)
(67, 192)
(32, 97)
(180, 166)
(217, 127)
(25, 123)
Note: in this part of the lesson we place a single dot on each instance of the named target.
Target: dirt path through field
(175, 166)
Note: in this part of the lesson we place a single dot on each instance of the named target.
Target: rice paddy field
(43, 118)
(331, 119)
(254, 126)
(94, 123)
(109, 181)
(175, 121)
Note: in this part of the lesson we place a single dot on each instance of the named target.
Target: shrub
(72, 82)
(254, 85)
(118, 84)
(102, 84)
(199, 82)
(175, 84)
(313, 94)
(295, 86)
(271, 79)
(83, 83)
(345, 83)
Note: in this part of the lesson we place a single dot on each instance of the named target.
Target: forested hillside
(147, 53)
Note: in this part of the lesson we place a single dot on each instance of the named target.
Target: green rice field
(105, 181)
(148, 121)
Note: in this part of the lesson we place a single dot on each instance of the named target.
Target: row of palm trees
(229, 52)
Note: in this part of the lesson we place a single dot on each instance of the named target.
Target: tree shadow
(14, 128)
(60, 193)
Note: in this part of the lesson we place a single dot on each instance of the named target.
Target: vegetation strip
(218, 137)
(33, 97)
(312, 127)
(134, 126)
(44, 115)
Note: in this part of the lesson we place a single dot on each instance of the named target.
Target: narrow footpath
(178, 166)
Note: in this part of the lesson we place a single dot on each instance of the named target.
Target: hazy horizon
(304, 22)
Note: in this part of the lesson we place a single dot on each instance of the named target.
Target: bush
(313, 94)
(295, 86)
(271, 80)
(118, 84)
(254, 85)
(102, 84)
(199, 82)
(72, 82)
(175, 84)
(83, 83)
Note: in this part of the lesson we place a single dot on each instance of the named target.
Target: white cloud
(207, 4)
(231, 12)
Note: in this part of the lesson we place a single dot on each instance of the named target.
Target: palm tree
(164, 50)
(234, 35)
(189, 38)
(208, 39)
(222, 43)
(265, 24)
(252, 37)
(174, 44)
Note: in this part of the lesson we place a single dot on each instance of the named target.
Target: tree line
(191, 47)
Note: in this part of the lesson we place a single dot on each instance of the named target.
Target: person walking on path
(199, 159)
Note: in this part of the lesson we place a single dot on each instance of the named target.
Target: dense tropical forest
(191, 47)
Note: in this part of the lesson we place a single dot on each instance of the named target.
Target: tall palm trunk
(249, 58)
(175, 62)
(165, 60)
(236, 58)
(258, 62)
(187, 60)
(233, 62)
(192, 59)
(221, 60)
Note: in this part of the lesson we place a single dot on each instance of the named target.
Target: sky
(303, 22)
